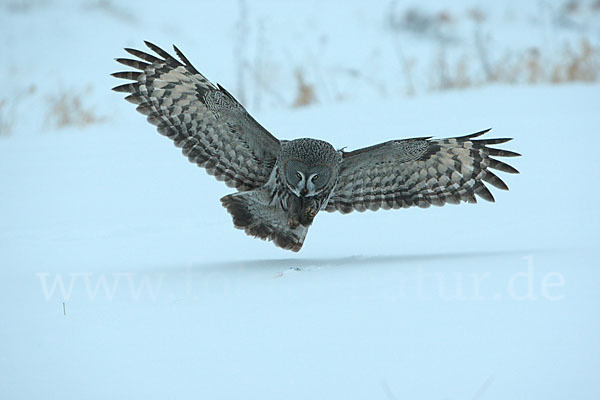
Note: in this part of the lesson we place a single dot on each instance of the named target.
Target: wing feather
(419, 172)
(207, 122)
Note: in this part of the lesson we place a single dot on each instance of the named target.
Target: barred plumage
(419, 172)
(218, 135)
(283, 185)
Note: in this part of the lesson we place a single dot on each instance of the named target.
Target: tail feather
(253, 213)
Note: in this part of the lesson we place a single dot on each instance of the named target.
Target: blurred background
(123, 277)
(281, 55)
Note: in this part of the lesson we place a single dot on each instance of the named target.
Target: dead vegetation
(457, 59)
(465, 61)
(24, 6)
(64, 109)
(67, 109)
(581, 64)
(109, 8)
(574, 64)
(6, 121)
(464, 52)
(432, 25)
(9, 107)
(305, 93)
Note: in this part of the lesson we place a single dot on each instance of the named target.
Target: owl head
(310, 167)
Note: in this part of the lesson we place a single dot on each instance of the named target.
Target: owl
(283, 184)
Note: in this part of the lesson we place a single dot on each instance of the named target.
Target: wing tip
(484, 192)
(184, 59)
(131, 75)
(150, 45)
(493, 180)
(502, 153)
(125, 88)
(480, 133)
(502, 166)
(141, 65)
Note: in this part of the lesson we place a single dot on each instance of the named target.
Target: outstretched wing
(419, 172)
(209, 124)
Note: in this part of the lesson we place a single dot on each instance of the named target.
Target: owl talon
(293, 222)
(308, 216)
(311, 212)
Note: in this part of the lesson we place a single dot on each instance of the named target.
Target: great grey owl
(282, 185)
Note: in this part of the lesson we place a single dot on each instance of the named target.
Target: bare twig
(484, 387)
(239, 51)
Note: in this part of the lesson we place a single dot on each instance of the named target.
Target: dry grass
(476, 15)
(572, 6)
(477, 66)
(464, 58)
(533, 67)
(24, 6)
(108, 7)
(573, 64)
(305, 92)
(581, 64)
(67, 110)
(446, 76)
(6, 120)
(63, 110)
(9, 109)
(420, 23)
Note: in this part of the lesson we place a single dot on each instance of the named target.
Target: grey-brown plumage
(282, 185)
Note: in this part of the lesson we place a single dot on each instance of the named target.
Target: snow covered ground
(123, 277)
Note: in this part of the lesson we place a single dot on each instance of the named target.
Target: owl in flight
(283, 184)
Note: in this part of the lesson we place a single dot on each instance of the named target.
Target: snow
(123, 277)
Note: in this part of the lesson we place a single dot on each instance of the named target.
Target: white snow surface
(123, 277)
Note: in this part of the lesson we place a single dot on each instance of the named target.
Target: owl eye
(298, 175)
(315, 177)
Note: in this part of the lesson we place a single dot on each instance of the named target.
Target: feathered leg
(253, 212)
